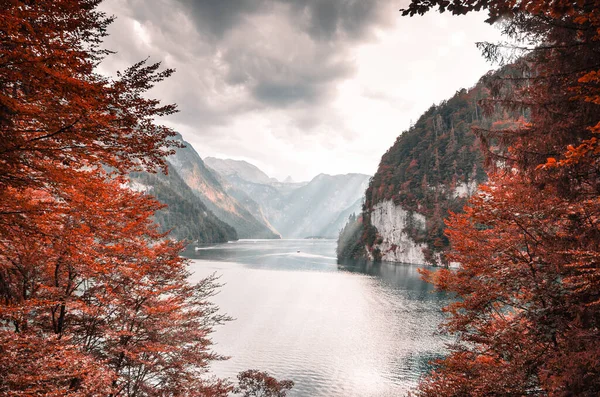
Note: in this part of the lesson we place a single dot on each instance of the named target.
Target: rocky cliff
(392, 223)
(188, 164)
(431, 169)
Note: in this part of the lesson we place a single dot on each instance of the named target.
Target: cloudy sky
(297, 87)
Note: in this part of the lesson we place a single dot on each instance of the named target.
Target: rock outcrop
(391, 222)
(432, 168)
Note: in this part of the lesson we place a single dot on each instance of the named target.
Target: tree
(94, 300)
(98, 281)
(54, 108)
(253, 383)
(527, 316)
(527, 312)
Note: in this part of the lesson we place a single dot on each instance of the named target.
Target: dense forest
(184, 215)
(432, 168)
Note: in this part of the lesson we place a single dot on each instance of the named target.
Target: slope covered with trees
(431, 169)
(206, 186)
(527, 320)
(185, 214)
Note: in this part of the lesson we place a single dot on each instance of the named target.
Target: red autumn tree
(99, 287)
(93, 299)
(253, 383)
(56, 110)
(527, 316)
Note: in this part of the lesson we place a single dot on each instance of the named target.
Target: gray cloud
(326, 19)
(322, 19)
(215, 17)
(281, 94)
(288, 82)
(299, 62)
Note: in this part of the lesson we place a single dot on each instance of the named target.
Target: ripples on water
(355, 330)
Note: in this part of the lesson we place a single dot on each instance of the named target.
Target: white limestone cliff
(390, 221)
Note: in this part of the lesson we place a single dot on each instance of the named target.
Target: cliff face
(431, 169)
(395, 245)
(188, 164)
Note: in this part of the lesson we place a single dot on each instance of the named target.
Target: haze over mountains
(218, 200)
(318, 208)
(243, 169)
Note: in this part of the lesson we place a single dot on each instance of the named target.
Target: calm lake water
(363, 330)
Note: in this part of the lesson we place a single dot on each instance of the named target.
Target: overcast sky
(297, 87)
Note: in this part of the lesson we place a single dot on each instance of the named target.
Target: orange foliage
(527, 318)
(93, 299)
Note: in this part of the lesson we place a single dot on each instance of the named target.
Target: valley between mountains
(218, 200)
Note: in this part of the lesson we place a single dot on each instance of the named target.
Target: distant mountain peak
(239, 168)
(289, 179)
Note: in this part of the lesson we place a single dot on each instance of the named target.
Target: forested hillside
(207, 187)
(431, 169)
(185, 215)
(526, 318)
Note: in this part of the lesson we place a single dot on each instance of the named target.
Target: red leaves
(34, 366)
(256, 383)
(97, 273)
(527, 317)
(93, 299)
(528, 289)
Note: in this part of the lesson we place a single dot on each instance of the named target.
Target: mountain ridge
(242, 168)
(432, 168)
(185, 216)
(299, 210)
(206, 185)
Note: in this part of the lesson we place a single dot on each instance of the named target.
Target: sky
(297, 87)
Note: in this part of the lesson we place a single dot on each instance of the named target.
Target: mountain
(205, 185)
(186, 215)
(315, 208)
(431, 169)
(297, 210)
(242, 169)
(246, 200)
(335, 226)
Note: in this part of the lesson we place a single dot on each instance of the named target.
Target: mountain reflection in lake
(336, 330)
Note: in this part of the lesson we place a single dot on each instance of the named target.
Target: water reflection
(397, 276)
(353, 329)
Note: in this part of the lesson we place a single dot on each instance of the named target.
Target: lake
(354, 330)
